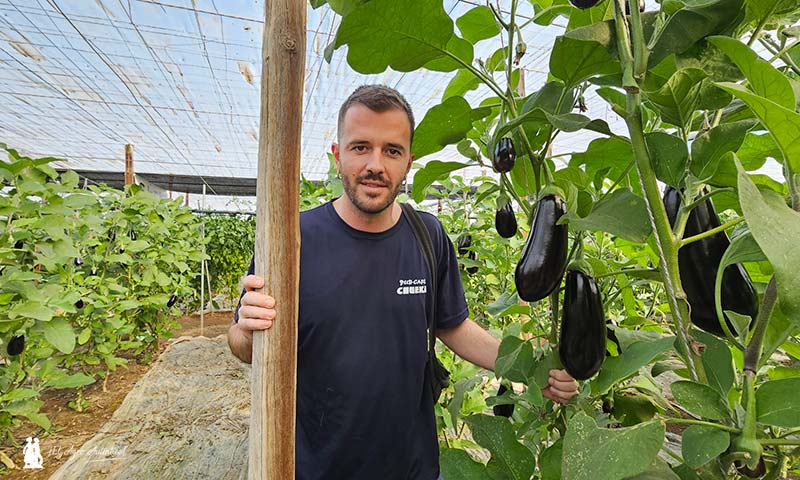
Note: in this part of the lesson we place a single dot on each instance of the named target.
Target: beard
(365, 203)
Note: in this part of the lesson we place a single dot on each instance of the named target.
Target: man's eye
(359, 148)
(394, 152)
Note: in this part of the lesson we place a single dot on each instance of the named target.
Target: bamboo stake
(128, 164)
(277, 251)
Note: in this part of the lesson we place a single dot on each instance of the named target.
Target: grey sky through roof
(180, 80)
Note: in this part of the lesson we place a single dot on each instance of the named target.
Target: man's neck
(366, 222)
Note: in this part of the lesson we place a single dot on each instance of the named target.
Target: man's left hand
(562, 387)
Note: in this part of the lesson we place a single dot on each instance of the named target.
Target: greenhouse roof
(180, 80)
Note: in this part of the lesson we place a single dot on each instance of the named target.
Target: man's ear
(335, 152)
(410, 161)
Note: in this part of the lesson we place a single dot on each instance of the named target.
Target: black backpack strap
(424, 239)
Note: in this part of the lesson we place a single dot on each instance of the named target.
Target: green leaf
(658, 470)
(33, 310)
(634, 356)
(669, 156)
(503, 303)
(433, 171)
(19, 394)
(550, 461)
(137, 246)
(515, 360)
(717, 361)
(765, 80)
(70, 381)
(776, 228)
(783, 124)
(39, 419)
(478, 24)
(444, 124)
(462, 82)
(700, 400)
(613, 154)
(702, 444)
(678, 98)
(710, 147)
(459, 389)
(692, 23)
(573, 60)
(459, 48)
(60, 334)
(456, 463)
(510, 458)
(755, 150)
(778, 404)
(592, 453)
(622, 214)
(401, 34)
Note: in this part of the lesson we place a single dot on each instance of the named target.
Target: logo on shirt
(414, 286)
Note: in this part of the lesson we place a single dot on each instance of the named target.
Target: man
(364, 405)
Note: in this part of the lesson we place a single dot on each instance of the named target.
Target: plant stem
(690, 421)
(712, 232)
(705, 197)
(510, 189)
(779, 441)
(665, 240)
(510, 54)
(617, 182)
(761, 24)
(554, 317)
(640, 55)
(626, 271)
(752, 353)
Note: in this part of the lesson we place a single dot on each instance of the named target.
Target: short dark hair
(378, 98)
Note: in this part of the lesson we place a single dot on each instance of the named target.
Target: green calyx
(552, 190)
(581, 265)
(750, 447)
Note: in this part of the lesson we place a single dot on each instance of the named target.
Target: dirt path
(75, 428)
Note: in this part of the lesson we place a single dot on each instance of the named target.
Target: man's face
(373, 156)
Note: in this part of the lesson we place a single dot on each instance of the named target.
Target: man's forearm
(472, 343)
(240, 343)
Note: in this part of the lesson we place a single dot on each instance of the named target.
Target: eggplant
(544, 257)
(504, 155)
(758, 472)
(78, 261)
(172, 300)
(582, 344)
(698, 263)
(19, 244)
(464, 242)
(505, 221)
(584, 4)
(505, 410)
(79, 304)
(16, 345)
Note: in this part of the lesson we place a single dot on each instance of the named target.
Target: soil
(71, 428)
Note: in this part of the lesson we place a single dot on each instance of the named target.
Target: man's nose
(375, 161)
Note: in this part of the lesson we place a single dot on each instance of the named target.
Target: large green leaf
(60, 334)
(574, 60)
(712, 146)
(462, 82)
(510, 459)
(592, 453)
(63, 380)
(622, 214)
(776, 228)
(459, 390)
(550, 461)
(634, 357)
(669, 156)
(678, 98)
(458, 48)
(444, 124)
(401, 34)
(692, 23)
(701, 444)
(478, 24)
(778, 403)
(456, 463)
(783, 124)
(610, 155)
(699, 399)
(515, 360)
(765, 80)
(33, 310)
(433, 171)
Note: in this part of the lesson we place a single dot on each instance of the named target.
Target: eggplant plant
(708, 92)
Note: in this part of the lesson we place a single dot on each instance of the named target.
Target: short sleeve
(251, 270)
(451, 306)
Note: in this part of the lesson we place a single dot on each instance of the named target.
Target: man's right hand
(256, 310)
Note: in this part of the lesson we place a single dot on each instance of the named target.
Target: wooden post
(277, 247)
(128, 164)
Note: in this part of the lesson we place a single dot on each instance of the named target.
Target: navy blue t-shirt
(364, 404)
